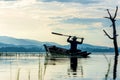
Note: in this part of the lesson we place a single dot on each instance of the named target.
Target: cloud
(37, 19)
(75, 1)
(8, 0)
(82, 20)
(87, 21)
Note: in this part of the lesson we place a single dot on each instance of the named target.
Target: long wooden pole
(64, 35)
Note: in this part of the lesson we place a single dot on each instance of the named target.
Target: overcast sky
(36, 19)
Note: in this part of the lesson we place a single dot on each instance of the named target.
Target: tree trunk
(114, 38)
(116, 51)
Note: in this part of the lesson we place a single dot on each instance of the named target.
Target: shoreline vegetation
(40, 54)
(41, 49)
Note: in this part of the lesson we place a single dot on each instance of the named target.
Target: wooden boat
(57, 52)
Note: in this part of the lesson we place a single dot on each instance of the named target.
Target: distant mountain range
(10, 44)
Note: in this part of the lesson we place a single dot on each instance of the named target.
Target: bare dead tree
(114, 38)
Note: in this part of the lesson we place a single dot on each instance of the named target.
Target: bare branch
(107, 34)
(109, 14)
(107, 17)
(116, 12)
(117, 34)
(111, 25)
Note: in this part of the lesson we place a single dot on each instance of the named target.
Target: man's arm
(68, 40)
(81, 41)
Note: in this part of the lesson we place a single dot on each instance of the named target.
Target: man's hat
(74, 37)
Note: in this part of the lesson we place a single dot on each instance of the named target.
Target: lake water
(37, 68)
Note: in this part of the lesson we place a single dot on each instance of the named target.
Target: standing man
(73, 49)
(73, 43)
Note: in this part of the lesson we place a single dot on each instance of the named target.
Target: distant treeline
(20, 49)
(41, 49)
(99, 49)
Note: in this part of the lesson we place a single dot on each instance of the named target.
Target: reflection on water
(31, 68)
(73, 63)
(73, 66)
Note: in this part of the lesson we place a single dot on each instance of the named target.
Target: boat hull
(57, 52)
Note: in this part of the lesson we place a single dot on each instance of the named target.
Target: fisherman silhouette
(73, 43)
(73, 49)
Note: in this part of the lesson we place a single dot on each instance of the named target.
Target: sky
(36, 19)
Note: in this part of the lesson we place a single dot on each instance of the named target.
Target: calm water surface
(33, 68)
